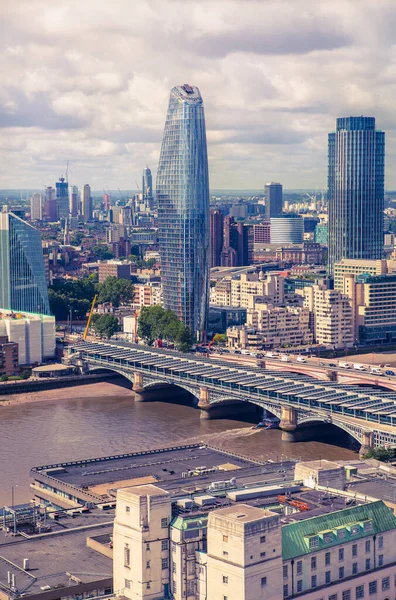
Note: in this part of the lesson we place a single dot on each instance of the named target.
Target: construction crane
(90, 317)
(67, 172)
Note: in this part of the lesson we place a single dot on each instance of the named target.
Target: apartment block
(8, 356)
(359, 267)
(114, 268)
(148, 294)
(332, 316)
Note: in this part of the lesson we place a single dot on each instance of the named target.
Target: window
(341, 573)
(190, 588)
(148, 546)
(341, 534)
(173, 547)
(368, 564)
(299, 567)
(385, 584)
(333, 597)
(380, 542)
(313, 542)
(341, 554)
(299, 585)
(327, 558)
(284, 570)
(328, 538)
(380, 560)
(225, 579)
(262, 554)
(225, 538)
(127, 510)
(127, 584)
(372, 587)
(262, 539)
(359, 592)
(346, 595)
(313, 562)
(354, 529)
(285, 590)
(354, 550)
(368, 526)
(174, 587)
(147, 564)
(148, 585)
(328, 576)
(367, 546)
(225, 553)
(127, 556)
(354, 568)
(225, 597)
(164, 523)
(164, 545)
(164, 563)
(263, 581)
(173, 567)
(313, 581)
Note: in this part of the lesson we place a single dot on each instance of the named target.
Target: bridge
(368, 415)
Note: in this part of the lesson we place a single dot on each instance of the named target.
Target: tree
(184, 339)
(381, 453)
(117, 291)
(157, 323)
(102, 252)
(219, 338)
(105, 325)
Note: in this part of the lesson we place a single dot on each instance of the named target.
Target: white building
(34, 334)
(36, 207)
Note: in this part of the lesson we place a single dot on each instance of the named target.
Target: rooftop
(243, 513)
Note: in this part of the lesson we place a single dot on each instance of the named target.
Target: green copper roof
(332, 529)
(190, 522)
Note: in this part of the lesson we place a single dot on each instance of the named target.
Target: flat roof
(54, 367)
(243, 513)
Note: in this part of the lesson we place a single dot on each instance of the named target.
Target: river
(53, 431)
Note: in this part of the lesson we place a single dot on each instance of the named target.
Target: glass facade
(23, 286)
(183, 209)
(356, 190)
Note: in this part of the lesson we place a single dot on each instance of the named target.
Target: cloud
(89, 82)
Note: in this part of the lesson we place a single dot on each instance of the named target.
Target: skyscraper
(147, 187)
(273, 200)
(36, 208)
(216, 237)
(356, 190)
(62, 198)
(23, 286)
(183, 209)
(50, 212)
(86, 203)
(73, 201)
(238, 244)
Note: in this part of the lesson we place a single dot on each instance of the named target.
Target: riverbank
(102, 389)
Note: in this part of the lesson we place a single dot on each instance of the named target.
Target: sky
(88, 82)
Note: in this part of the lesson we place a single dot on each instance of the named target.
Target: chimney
(26, 564)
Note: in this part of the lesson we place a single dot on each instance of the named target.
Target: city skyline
(287, 75)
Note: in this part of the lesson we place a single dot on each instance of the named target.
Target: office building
(86, 203)
(8, 356)
(287, 229)
(114, 268)
(273, 200)
(238, 244)
(262, 233)
(50, 210)
(62, 198)
(216, 237)
(106, 202)
(361, 267)
(356, 190)
(23, 286)
(147, 188)
(321, 234)
(307, 253)
(33, 333)
(36, 208)
(183, 209)
(332, 316)
(73, 201)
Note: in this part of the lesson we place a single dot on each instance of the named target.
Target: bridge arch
(354, 432)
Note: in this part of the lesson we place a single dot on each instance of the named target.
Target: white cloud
(89, 82)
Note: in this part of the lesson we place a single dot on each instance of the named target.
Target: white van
(376, 371)
(301, 359)
(285, 358)
(245, 351)
(359, 367)
(270, 355)
(344, 365)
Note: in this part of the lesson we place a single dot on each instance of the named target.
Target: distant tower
(147, 187)
(86, 203)
(62, 198)
(106, 201)
(23, 285)
(73, 201)
(36, 208)
(356, 190)
(183, 209)
(273, 200)
(216, 237)
(50, 211)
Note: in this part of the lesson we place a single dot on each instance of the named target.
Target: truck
(359, 367)
(344, 365)
(285, 358)
(376, 371)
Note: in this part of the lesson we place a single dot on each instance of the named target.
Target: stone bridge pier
(367, 442)
(204, 403)
(288, 423)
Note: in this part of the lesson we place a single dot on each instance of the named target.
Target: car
(260, 355)
(321, 364)
(237, 352)
(332, 365)
(389, 373)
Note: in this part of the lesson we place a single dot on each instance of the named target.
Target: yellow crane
(90, 317)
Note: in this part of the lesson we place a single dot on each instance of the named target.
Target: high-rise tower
(62, 198)
(36, 207)
(356, 190)
(73, 201)
(183, 209)
(86, 203)
(23, 285)
(147, 187)
(273, 200)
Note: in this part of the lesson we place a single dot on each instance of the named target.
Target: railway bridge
(368, 415)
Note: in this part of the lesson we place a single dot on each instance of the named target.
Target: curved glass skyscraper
(183, 209)
(356, 190)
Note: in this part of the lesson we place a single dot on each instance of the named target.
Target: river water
(42, 433)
